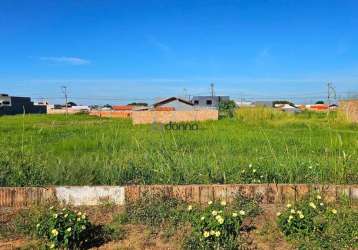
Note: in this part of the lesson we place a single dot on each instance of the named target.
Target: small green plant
(252, 175)
(216, 227)
(65, 228)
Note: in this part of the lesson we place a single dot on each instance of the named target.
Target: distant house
(289, 108)
(12, 105)
(173, 104)
(317, 107)
(209, 101)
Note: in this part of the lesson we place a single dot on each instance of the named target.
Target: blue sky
(129, 50)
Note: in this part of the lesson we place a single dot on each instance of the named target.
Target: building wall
(350, 109)
(20, 105)
(214, 99)
(148, 117)
(113, 114)
(62, 111)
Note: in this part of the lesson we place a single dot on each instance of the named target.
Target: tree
(71, 104)
(227, 108)
(320, 102)
(138, 104)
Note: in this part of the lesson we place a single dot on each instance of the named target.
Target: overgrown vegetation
(82, 150)
(315, 224)
(216, 225)
(56, 227)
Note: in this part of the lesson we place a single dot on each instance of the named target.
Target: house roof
(171, 99)
(122, 107)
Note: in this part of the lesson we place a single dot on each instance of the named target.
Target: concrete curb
(96, 195)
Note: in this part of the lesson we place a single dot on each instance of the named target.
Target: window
(196, 102)
(209, 102)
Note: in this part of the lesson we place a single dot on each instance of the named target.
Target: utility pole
(64, 91)
(212, 89)
(331, 92)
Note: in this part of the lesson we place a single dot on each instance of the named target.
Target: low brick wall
(112, 114)
(271, 193)
(25, 196)
(96, 195)
(147, 117)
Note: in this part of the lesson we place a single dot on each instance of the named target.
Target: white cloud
(66, 60)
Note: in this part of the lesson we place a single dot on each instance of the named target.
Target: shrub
(69, 229)
(227, 109)
(216, 227)
(313, 223)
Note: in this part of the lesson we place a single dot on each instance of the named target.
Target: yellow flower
(212, 232)
(250, 166)
(54, 232)
(69, 229)
(38, 225)
(302, 216)
(52, 246)
(217, 233)
(51, 207)
(83, 227)
(234, 215)
(79, 213)
(312, 205)
(83, 216)
(221, 221)
(214, 213)
(78, 219)
(288, 205)
(202, 218)
(206, 234)
(190, 207)
(293, 211)
(278, 214)
(254, 170)
(321, 204)
(210, 202)
(65, 215)
(334, 211)
(223, 203)
(290, 217)
(242, 212)
(318, 197)
(55, 216)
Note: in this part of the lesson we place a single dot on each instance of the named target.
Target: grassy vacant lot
(79, 150)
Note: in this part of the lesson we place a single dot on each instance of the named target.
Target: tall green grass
(80, 150)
